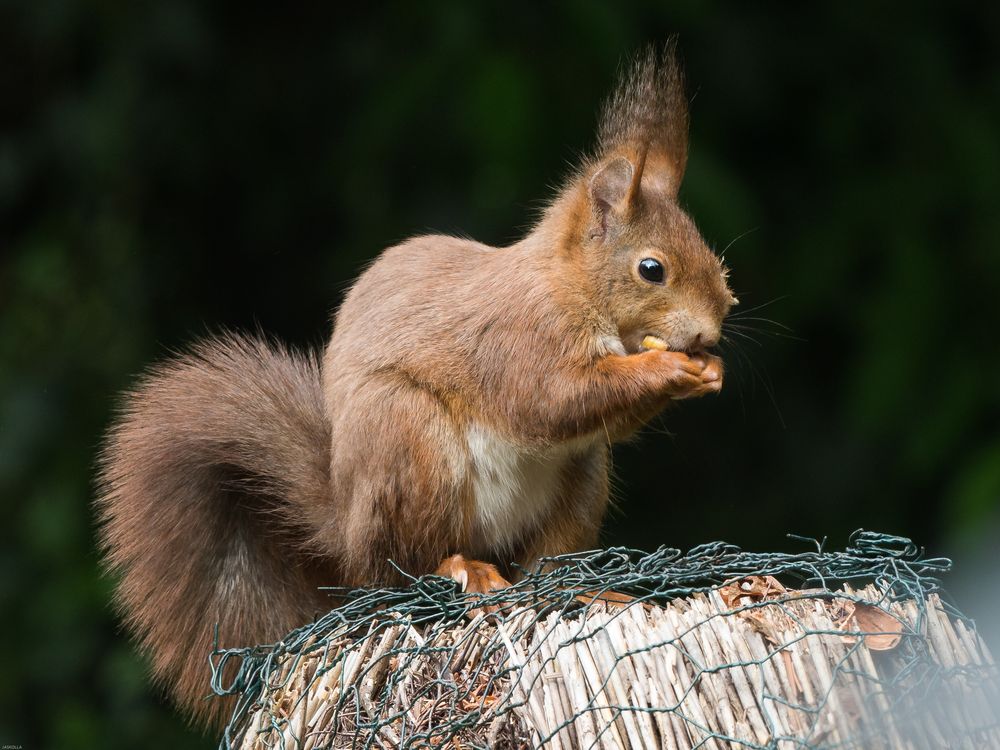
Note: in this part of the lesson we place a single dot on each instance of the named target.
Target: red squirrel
(460, 418)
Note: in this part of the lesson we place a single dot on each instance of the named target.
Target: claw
(474, 576)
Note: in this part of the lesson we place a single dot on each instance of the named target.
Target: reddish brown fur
(241, 477)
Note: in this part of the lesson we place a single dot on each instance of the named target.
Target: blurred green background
(167, 168)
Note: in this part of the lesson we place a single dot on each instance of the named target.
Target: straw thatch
(747, 665)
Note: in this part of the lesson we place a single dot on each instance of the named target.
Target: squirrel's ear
(611, 192)
(646, 118)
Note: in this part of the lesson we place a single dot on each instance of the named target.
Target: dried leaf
(767, 623)
(882, 631)
(841, 611)
(750, 590)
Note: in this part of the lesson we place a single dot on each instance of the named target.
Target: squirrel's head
(652, 273)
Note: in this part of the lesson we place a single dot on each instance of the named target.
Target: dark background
(167, 168)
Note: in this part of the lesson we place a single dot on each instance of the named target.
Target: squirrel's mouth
(651, 341)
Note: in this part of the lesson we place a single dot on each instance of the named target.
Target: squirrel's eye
(651, 270)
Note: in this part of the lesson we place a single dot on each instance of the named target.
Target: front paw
(710, 378)
(689, 376)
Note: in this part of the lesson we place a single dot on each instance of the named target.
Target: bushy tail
(210, 453)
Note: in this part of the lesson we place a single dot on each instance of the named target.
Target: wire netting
(719, 647)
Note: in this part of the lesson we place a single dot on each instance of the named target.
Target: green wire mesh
(697, 659)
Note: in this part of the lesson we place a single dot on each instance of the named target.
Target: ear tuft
(648, 112)
(609, 190)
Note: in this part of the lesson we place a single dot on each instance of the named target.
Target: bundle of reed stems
(749, 664)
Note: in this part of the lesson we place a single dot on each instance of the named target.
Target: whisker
(722, 255)
(744, 318)
(743, 313)
(744, 335)
(733, 328)
(731, 346)
(765, 381)
(758, 374)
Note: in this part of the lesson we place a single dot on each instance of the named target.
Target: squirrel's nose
(705, 340)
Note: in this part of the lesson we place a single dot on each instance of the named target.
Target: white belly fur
(514, 487)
